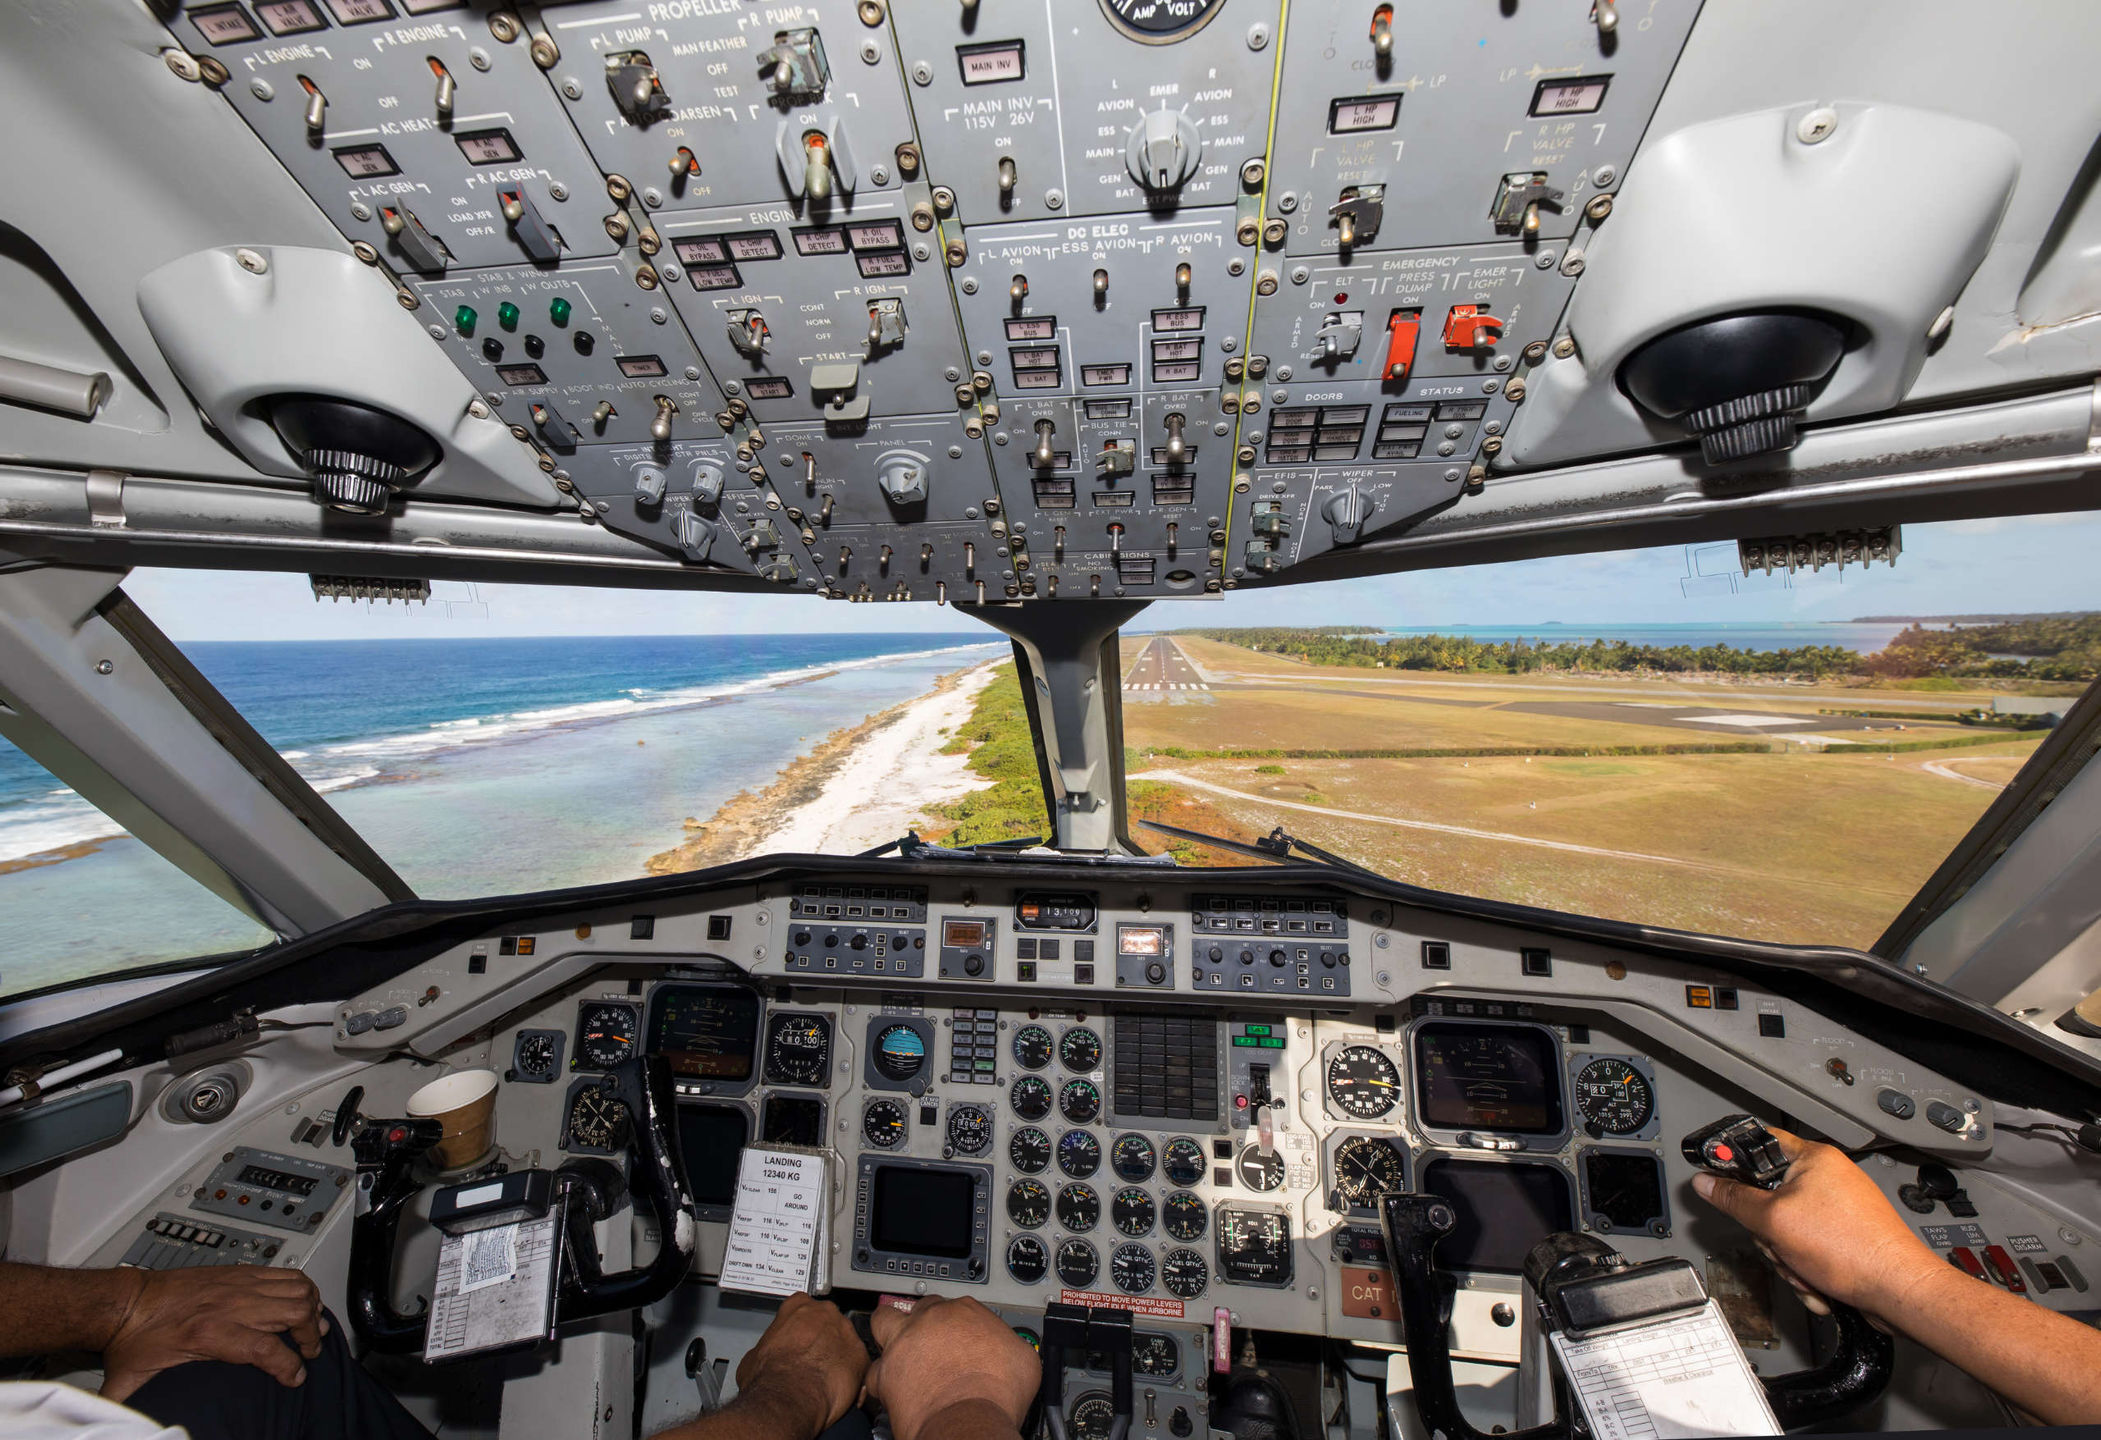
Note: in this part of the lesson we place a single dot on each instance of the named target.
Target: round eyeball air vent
(356, 456)
(206, 1097)
(1738, 382)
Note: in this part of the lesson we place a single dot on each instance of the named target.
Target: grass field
(1798, 842)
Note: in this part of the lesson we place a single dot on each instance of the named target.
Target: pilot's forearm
(45, 1310)
(2044, 1362)
(764, 1412)
(968, 1420)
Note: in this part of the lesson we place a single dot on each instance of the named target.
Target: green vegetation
(1269, 769)
(2044, 647)
(996, 737)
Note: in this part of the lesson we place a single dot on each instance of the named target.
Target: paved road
(1162, 671)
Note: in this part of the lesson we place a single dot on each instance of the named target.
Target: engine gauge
(1365, 1169)
(1027, 1260)
(1080, 1049)
(1184, 1273)
(1160, 22)
(1131, 1269)
(1028, 1204)
(1259, 1171)
(1183, 1216)
(1079, 1208)
(598, 1120)
(900, 1052)
(1029, 1150)
(798, 1049)
(1153, 1354)
(1132, 1158)
(1078, 1265)
(1092, 1418)
(883, 1124)
(1079, 1101)
(969, 1129)
(1032, 1047)
(605, 1035)
(1131, 1211)
(1363, 1083)
(1613, 1097)
(1184, 1161)
(1079, 1154)
(1031, 1097)
(1254, 1246)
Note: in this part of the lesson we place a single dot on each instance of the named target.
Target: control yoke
(587, 1189)
(1570, 1275)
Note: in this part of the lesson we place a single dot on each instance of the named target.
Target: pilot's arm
(802, 1376)
(143, 1322)
(952, 1370)
(1831, 1233)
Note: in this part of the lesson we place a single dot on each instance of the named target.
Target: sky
(2015, 564)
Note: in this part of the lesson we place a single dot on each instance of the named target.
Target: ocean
(474, 767)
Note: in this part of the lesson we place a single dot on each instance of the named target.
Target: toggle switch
(1177, 447)
(1183, 275)
(603, 413)
(1358, 213)
(1101, 286)
(1382, 31)
(638, 91)
(748, 332)
(797, 69)
(539, 240)
(1606, 16)
(316, 106)
(1043, 457)
(1116, 459)
(1115, 539)
(1018, 289)
(448, 91)
(660, 426)
(817, 166)
(683, 163)
(560, 436)
(1008, 179)
(886, 324)
(1469, 327)
(1403, 327)
(423, 250)
(1517, 202)
(1340, 333)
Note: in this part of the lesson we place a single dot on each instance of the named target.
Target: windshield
(1649, 736)
(479, 758)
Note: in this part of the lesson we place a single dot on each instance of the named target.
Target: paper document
(495, 1288)
(778, 1230)
(1678, 1378)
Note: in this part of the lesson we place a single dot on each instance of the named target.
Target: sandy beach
(857, 788)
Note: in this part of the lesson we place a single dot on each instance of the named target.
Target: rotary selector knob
(903, 478)
(1165, 149)
(1347, 510)
(695, 535)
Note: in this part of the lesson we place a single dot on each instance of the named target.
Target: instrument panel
(1059, 1124)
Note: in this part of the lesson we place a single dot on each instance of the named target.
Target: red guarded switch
(1963, 1258)
(1402, 328)
(2001, 1265)
(1469, 327)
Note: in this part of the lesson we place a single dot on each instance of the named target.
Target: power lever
(1737, 1147)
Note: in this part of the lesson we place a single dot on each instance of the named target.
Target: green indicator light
(1276, 1044)
(558, 310)
(507, 315)
(1256, 1029)
(463, 321)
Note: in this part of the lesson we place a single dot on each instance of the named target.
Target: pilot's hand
(951, 1370)
(1828, 1230)
(808, 1357)
(230, 1313)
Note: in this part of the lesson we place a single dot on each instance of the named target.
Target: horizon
(2025, 565)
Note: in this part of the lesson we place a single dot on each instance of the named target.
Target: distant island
(1966, 619)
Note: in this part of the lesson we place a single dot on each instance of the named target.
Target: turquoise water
(473, 767)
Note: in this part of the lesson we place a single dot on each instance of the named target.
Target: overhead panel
(1010, 300)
